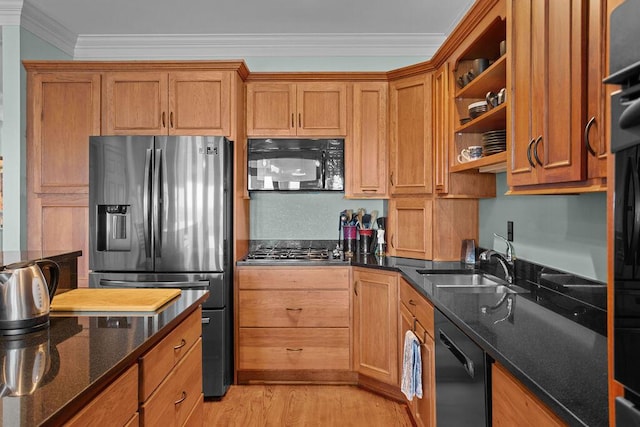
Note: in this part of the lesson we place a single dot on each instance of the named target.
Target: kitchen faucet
(507, 261)
(510, 254)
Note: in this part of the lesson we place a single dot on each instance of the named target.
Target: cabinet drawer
(293, 278)
(114, 406)
(262, 308)
(158, 362)
(294, 348)
(173, 401)
(134, 421)
(196, 417)
(418, 305)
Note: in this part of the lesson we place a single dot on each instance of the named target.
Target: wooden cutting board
(90, 299)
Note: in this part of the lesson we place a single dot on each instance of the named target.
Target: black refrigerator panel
(119, 221)
(217, 359)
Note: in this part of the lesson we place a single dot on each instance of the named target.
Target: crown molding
(10, 11)
(49, 30)
(210, 46)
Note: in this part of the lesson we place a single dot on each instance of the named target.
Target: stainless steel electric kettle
(25, 296)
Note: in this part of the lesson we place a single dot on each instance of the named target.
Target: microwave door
(295, 170)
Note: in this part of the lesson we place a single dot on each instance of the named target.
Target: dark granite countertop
(11, 257)
(555, 342)
(80, 355)
(560, 360)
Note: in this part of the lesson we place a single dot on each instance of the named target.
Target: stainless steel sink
(470, 282)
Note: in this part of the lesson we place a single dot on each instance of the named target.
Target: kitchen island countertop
(82, 354)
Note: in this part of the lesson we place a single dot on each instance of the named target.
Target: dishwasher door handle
(462, 358)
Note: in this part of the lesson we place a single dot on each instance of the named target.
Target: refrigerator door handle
(145, 203)
(157, 204)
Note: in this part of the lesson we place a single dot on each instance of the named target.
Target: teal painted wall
(17, 44)
(565, 232)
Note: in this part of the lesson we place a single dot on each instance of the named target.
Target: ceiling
(377, 27)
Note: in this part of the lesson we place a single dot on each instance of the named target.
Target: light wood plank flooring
(303, 405)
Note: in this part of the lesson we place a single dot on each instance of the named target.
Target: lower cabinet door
(173, 401)
(293, 348)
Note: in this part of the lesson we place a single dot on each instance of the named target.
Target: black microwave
(295, 164)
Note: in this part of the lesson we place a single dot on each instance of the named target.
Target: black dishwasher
(462, 386)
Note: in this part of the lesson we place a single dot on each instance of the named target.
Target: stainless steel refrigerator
(161, 216)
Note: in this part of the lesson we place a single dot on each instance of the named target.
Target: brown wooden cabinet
(117, 405)
(375, 325)
(57, 155)
(170, 385)
(416, 314)
(161, 103)
(597, 117)
(410, 152)
(366, 154)
(513, 405)
(302, 109)
(293, 324)
(441, 129)
(547, 92)
(430, 228)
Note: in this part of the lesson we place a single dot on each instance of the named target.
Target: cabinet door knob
(183, 397)
(179, 346)
(533, 165)
(535, 150)
(587, 128)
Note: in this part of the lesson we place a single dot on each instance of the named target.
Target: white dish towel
(411, 367)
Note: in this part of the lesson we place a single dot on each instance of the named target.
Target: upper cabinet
(410, 152)
(302, 109)
(161, 103)
(59, 137)
(547, 85)
(366, 155)
(595, 138)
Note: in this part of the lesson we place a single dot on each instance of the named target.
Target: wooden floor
(303, 405)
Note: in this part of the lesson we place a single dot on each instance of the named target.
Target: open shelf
(494, 163)
(491, 80)
(494, 119)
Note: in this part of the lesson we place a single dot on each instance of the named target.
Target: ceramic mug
(472, 153)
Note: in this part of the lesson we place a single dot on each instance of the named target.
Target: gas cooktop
(275, 252)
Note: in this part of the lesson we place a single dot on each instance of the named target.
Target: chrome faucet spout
(504, 263)
(510, 253)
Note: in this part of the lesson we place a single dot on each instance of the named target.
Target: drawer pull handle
(182, 344)
(293, 309)
(294, 349)
(182, 398)
(412, 302)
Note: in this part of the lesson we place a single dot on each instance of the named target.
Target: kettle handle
(54, 270)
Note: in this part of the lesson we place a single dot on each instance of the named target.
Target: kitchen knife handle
(146, 227)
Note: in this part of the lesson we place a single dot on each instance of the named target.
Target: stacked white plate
(477, 108)
(494, 141)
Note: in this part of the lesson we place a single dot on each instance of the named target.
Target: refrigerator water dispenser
(113, 228)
